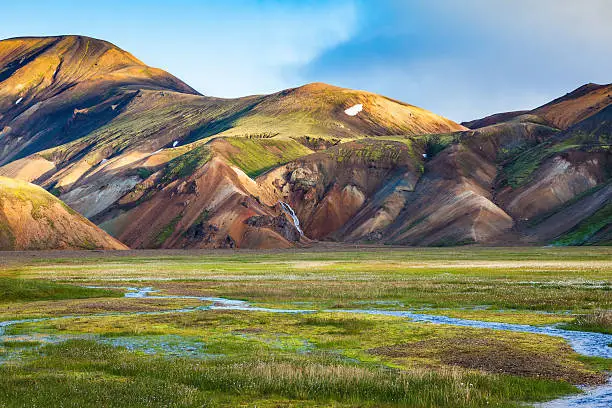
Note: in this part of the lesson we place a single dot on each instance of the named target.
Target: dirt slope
(576, 106)
(31, 218)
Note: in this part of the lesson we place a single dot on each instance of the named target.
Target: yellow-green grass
(549, 279)
(38, 198)
(257, 155)
(182, 115)
(23, 290)
(80, 373)
(93, 304)
(325, 358)
(242, 333)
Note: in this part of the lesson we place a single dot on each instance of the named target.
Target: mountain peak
(89, 48)
(317, 87)
(577, 105)
(28, 63)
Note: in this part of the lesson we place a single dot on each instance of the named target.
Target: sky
(463, 59)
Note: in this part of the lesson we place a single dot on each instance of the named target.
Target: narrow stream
(585, 343)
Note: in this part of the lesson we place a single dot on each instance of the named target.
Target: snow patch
(354, 110)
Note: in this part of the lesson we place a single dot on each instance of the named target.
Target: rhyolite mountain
(33, 219)
(154, 163)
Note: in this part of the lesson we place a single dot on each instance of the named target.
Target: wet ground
(585, 343)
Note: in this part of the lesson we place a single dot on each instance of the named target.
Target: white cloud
(259, 50)
(477, 57)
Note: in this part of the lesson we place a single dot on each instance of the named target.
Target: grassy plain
(176, 352)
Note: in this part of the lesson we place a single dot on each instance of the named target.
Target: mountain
(556, 184)
(321, 110)
(493, 119)
(576, 106)
(32, 219)
(166, 167)
(58, 89)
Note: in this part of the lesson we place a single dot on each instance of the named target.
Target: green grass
(22, 290)
(325, 358)
(83, 373)
(551, 279)
(599, 321)
(186, 164)
(254, 156)
(587, 228)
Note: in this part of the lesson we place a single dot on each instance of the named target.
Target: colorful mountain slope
(158, 165)
(31, 218)
(57, 89)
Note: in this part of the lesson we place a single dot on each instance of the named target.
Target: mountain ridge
(167, 168)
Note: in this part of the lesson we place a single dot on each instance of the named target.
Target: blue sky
(462, 59)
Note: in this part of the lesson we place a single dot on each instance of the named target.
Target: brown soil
(495, 356)
(250, 330)
(93, 306)
(576, 106)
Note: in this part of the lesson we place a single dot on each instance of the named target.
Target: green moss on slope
(387, 152)
(167, 231)
(587, 228)
(257, 155)
(186, 164)
(520, 170)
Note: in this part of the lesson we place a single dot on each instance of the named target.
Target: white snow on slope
(354, 110)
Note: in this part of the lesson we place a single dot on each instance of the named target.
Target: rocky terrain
(157, 165)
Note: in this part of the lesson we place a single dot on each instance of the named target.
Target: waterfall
(296, 221)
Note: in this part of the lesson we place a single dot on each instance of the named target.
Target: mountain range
(155, 164)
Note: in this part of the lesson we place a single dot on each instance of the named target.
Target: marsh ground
(173, 349)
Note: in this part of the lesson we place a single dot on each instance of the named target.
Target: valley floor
(332, 326)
